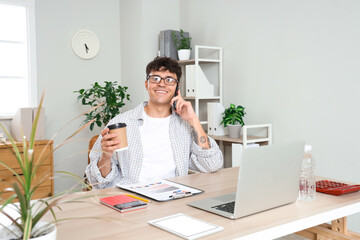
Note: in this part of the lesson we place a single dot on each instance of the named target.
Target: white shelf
(259, 140)
(202, 79)
(202, 98)
(208, 60)
(200, 60)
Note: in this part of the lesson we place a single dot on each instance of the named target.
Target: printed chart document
(161, 190)
(185, 226)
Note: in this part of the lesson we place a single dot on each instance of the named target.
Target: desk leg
(336, 231)
(339, 225)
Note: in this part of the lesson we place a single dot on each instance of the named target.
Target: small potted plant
(233, 119)
(111, 96)
(183, 45)
(25, 213)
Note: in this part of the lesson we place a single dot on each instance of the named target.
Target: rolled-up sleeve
(206, 160)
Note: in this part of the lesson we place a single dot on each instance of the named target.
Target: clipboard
(161, 190)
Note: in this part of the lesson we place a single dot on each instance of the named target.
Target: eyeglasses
(157, 79)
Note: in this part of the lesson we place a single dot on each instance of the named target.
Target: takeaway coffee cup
(120, 130)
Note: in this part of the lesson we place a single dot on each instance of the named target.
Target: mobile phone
(124, 207)
(176, 93)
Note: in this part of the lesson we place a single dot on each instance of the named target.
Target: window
(17, 56)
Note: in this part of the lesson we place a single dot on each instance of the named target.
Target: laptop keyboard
(226, 207)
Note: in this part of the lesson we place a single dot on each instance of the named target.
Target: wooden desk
(265, 225)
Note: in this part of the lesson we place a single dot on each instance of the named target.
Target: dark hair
(163, 64)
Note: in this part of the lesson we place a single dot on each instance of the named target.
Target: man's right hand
(108, 146)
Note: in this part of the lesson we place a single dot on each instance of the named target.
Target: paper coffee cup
(120, 130)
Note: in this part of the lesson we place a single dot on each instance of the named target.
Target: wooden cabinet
(43, 149)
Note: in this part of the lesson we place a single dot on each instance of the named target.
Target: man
(162, 142)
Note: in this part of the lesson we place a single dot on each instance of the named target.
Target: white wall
(60, 71)
(128, 33)
(141, 22)
(294, 64)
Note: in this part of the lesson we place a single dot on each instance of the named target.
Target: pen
(141, 199)
(180, 195)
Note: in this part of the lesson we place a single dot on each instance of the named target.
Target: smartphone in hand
(176, 93)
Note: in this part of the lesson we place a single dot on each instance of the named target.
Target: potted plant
(26, 214)
(233, 119)
(183, 45)
(111, 96)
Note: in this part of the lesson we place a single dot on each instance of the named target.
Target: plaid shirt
(126, 165)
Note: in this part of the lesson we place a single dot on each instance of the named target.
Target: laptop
(268, 178)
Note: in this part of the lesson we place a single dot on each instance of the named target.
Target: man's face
(160, 93)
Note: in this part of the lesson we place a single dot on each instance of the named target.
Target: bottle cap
(307, 148)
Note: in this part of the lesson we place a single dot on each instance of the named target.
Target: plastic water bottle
(307, 190)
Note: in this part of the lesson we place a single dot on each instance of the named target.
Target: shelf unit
(208, 63)
(237, 144)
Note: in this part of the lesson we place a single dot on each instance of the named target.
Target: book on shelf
(166, 44)
(197, 83)
(214, 116)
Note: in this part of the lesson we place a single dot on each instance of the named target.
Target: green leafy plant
(182, 42)
(25, 186)
(233, 115)
(112, 95)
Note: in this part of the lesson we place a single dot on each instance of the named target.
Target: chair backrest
(91, 144)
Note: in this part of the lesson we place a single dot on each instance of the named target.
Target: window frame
(31, 49)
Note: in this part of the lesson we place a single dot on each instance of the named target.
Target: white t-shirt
(158, 158)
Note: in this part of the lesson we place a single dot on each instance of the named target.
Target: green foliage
(233, 115)
(182, 42)
(24, 187)
(111, 95)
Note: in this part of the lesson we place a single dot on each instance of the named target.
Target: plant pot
(184, 54)
(234, 130)
(51, 235)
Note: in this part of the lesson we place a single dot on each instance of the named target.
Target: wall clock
(85, 44)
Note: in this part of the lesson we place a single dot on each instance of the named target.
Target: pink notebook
(123, 203)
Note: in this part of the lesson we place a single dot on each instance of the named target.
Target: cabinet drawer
(7, 178)
(41, 192)
(9, 158)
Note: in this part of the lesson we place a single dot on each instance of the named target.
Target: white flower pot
(184, 54)
(6, 235)
(234, 130)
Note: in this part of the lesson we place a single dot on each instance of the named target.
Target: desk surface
(265, 225)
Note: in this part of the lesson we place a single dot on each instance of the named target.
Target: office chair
(86, 181)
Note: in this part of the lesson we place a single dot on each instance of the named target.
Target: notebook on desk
(268, 178)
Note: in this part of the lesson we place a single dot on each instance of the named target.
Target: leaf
(22, 201)
(28, 226)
